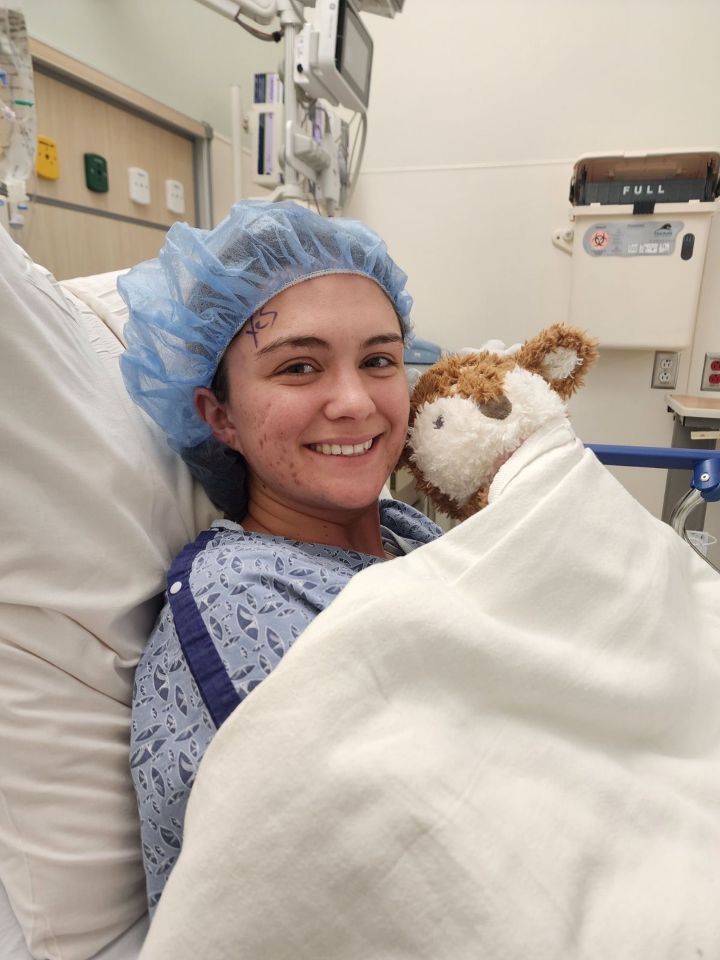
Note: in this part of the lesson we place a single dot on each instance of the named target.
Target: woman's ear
(215, 415)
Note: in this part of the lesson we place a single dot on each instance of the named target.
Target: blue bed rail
(705, 464)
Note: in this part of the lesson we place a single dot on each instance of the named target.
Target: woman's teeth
(342, 450)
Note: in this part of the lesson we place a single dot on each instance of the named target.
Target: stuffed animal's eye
(439, 422)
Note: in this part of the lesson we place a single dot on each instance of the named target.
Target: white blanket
(503, 746)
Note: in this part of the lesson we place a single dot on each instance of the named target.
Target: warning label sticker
(630, 238)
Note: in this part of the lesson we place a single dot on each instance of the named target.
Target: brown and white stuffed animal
(469, 413)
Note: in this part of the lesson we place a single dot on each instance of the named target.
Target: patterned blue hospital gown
(255, 594)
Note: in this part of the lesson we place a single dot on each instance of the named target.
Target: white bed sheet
(13, 946)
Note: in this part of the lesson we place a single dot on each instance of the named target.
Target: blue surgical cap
(187, 305)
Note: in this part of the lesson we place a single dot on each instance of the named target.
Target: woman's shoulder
(227, 545)
(226, 550)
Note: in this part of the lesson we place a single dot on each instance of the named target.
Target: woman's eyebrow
(318, 343)
(383, 338)
(297, 342)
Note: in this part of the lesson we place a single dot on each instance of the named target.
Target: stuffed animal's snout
(497, 409)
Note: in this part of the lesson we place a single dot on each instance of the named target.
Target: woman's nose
(350, 397)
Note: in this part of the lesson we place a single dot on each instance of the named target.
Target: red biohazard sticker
(599, 240)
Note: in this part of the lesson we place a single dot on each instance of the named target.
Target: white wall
(478, 111)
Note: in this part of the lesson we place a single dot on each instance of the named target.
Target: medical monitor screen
(353, 51)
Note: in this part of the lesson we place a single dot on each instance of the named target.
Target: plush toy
(469, 413)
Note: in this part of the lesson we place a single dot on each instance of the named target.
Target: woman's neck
(351, 530)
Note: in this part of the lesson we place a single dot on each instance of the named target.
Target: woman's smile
(342, 448)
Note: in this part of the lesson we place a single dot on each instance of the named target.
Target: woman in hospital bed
(270, 351)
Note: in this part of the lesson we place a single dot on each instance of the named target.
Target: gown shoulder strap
(201, 654)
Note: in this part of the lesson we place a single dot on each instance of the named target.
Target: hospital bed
(96, 506)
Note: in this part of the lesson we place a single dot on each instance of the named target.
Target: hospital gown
(255, 594)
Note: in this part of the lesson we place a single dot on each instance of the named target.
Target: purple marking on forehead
(260, 320)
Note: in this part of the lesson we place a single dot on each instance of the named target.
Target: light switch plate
(139, 183)
(174, 196)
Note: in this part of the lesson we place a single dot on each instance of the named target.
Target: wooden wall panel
(73, 244)
(47, 59)
(82, 123)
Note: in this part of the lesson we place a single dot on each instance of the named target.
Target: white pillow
(95, 505)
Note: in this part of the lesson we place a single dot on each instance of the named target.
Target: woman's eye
(380, 363)
(298, 369)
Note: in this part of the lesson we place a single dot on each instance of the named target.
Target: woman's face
(317, 396)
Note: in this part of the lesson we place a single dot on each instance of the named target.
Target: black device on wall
(96, 173)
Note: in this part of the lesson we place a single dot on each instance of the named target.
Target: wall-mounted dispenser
(47, 164)
(641, 223)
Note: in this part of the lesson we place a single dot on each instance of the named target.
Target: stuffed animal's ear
(561, 355)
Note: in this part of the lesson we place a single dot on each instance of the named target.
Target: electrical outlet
(711, 372)
(665, 371)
